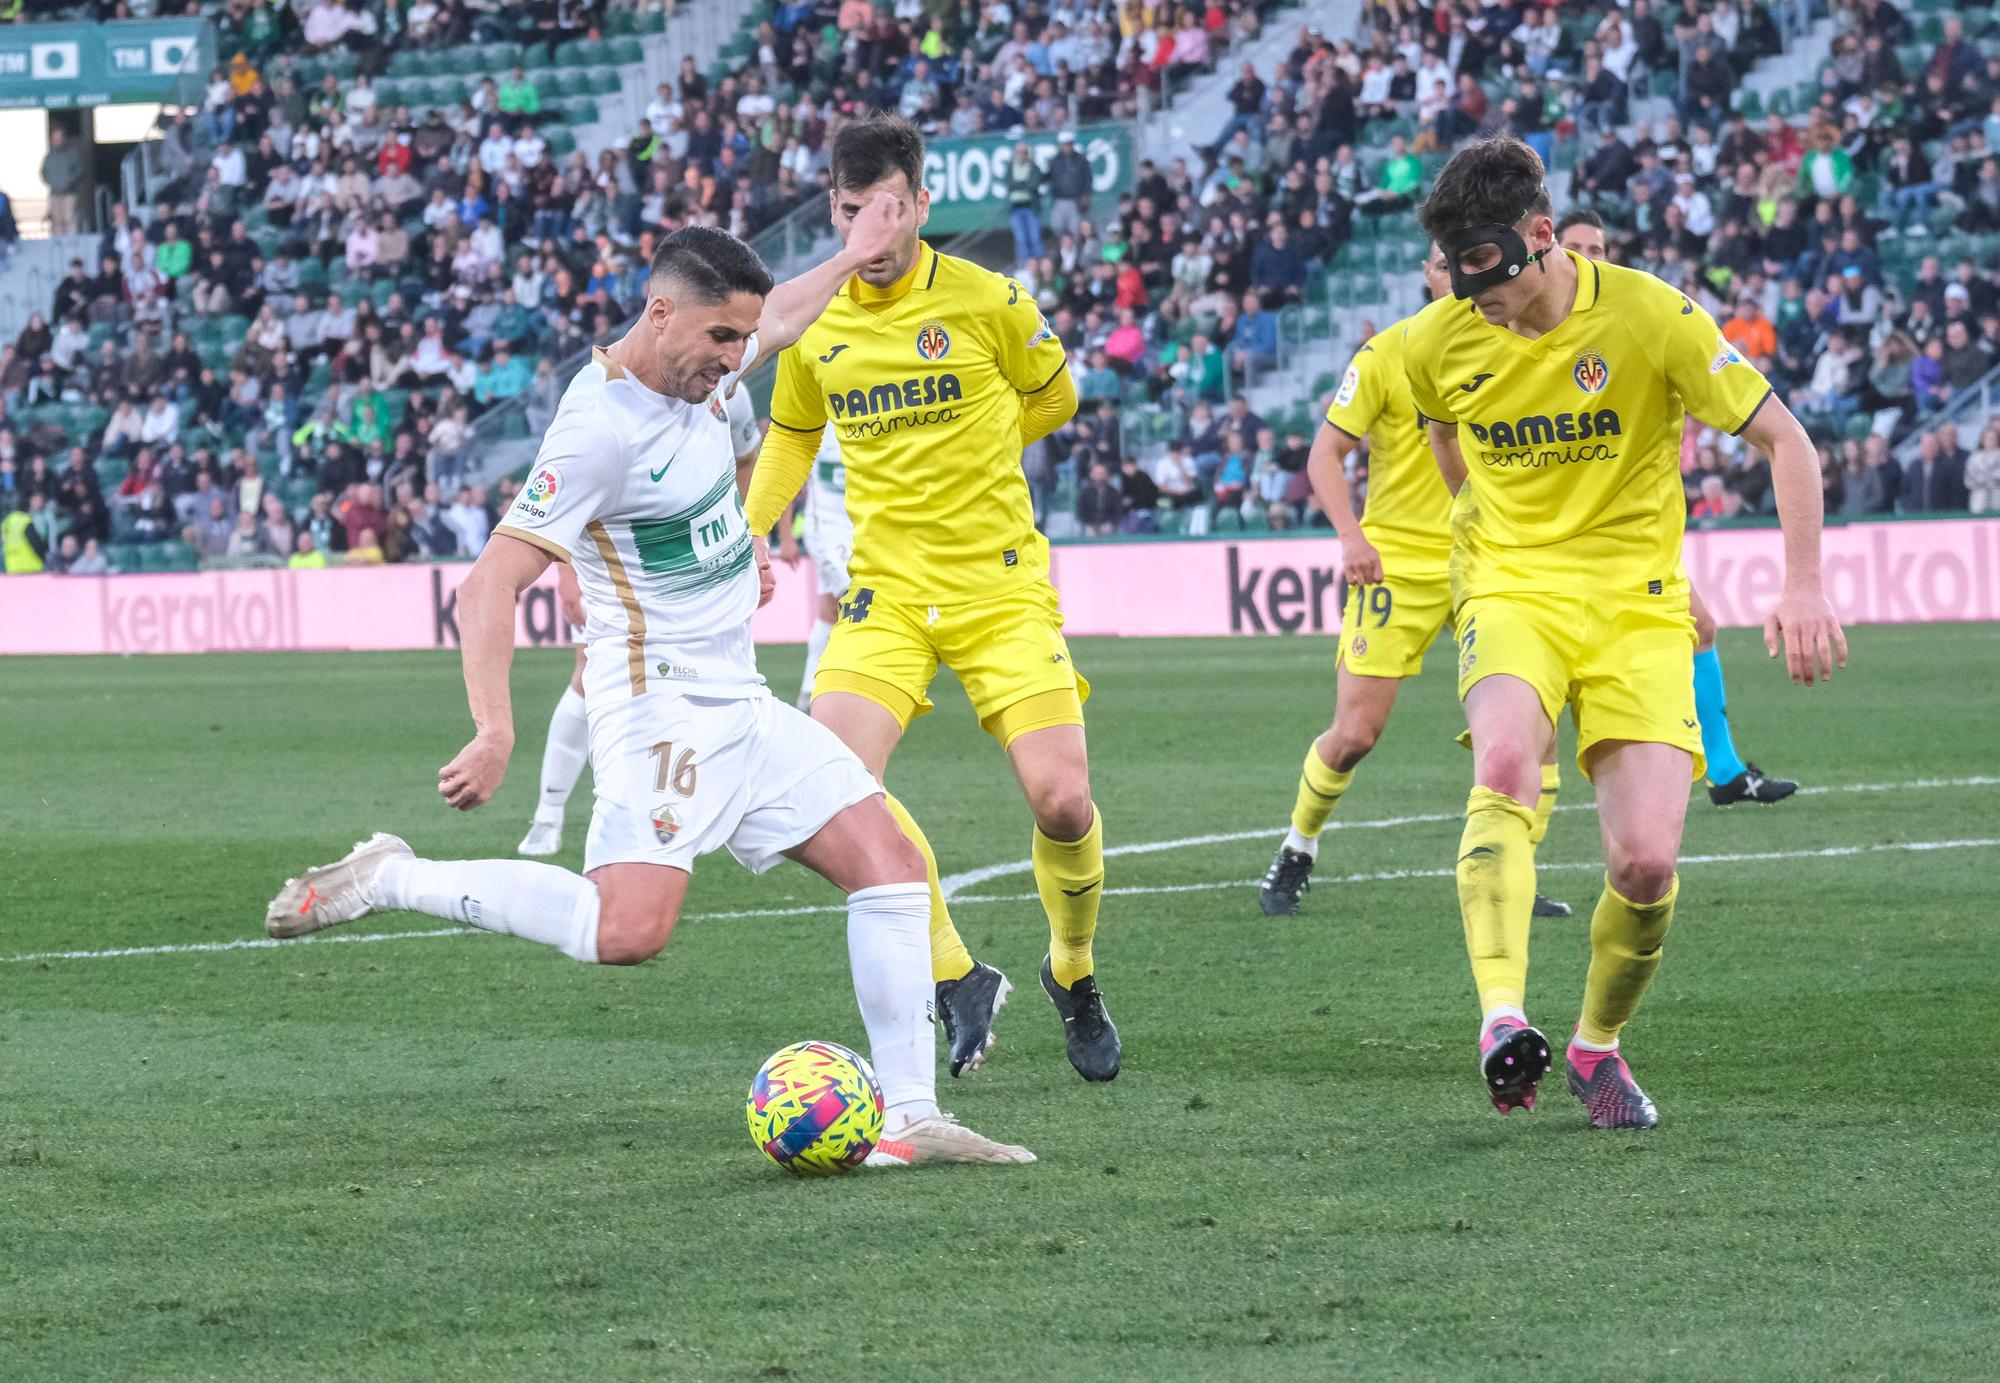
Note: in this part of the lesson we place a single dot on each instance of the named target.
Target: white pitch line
(1390, 875)
(952, 883)
(1377, 876)
(256, 943)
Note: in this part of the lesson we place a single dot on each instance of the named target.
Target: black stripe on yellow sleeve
(809, 431)
(1047, 382)
(1751, 416)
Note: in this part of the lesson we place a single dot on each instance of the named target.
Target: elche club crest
(933, 341)
(666, 823)
(1591, 373)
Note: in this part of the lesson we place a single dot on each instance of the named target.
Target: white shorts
(680, 776)
(830, 558)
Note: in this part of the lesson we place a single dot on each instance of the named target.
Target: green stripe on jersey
(697, 549)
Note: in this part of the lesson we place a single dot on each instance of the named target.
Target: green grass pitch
(465, 1157)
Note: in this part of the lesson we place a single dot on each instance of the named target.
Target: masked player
(636, 487)
(935, 373)
(1398, 591)
(1731, 778)
(1556, 387)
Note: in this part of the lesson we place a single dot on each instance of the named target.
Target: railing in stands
(1975, 400)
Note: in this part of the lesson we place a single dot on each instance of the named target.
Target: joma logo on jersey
(1540, 430)
(933, 341)
(895, 395)
(1591, 373)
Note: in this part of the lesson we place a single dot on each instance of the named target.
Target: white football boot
(941, 1138)
(544, 838)
(333, 893)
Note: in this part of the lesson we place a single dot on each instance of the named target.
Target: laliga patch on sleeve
(1348, 384)
(1725, 356)
(539, 497)
(1043, 332)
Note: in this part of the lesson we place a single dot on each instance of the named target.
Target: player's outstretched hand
(471, 779)
(1360, 562)
(767, 581)
(1813, 642)
(879, 227)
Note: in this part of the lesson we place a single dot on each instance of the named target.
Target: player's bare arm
(1326, 468)
(878, 226)
(1444, 446)
(570, 596)
(1803, 620)
(486, 603)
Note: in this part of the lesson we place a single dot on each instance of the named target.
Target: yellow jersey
(1408, 514)
(1572, 442)
(925, 398)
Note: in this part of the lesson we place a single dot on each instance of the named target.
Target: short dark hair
(867, 151)
(1582, 216)
(703, 265)
(1494, 181)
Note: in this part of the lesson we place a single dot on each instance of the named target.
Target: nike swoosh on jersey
(1477, 851)
(827, 359)
(660, 472)
(1477, 380)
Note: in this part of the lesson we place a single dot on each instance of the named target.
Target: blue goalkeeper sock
(1711, 703)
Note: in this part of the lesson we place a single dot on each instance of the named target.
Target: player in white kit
(829, 542)
(567, 747)
(635, 487)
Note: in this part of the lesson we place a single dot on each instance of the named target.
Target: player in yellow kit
(1556, 388)
(1396, 560)
(935, 373)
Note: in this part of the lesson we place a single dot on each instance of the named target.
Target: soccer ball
(815, 1109)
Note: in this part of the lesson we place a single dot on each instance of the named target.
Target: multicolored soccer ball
(815, 1109)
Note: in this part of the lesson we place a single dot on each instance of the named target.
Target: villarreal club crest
(933, 341)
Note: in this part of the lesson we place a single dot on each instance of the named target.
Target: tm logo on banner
(54, 62)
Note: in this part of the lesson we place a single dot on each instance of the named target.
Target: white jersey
(637, 492)
(828, 523)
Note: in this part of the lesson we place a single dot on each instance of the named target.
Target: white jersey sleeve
(577, 475)
(744, 434)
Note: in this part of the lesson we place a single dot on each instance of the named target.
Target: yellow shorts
(1008, 651)
(1624, 665)
(1386, 628)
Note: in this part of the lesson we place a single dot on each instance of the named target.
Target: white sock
(815, 645)
(538, 902)
(889, 950)
(1302, 844)
(1583, 1046)
(563, 756)
(1494, 1015)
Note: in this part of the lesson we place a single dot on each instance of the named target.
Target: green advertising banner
(59, 66)
(968, 177)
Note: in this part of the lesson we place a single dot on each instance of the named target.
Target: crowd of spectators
(336, 287)
(382, 276)
(1808, 234)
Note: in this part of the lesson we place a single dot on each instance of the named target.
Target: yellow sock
(949, 958)
(1319, 788)
(1069, 874)
(1496, 893)
(1625, 950)
(1545, 805)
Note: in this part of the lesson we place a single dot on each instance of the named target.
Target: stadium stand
(368, 250)
(379, 215)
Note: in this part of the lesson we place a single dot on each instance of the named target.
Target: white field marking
(1377, 876)
(1387, 875)
(952, 883)
(256, 943)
